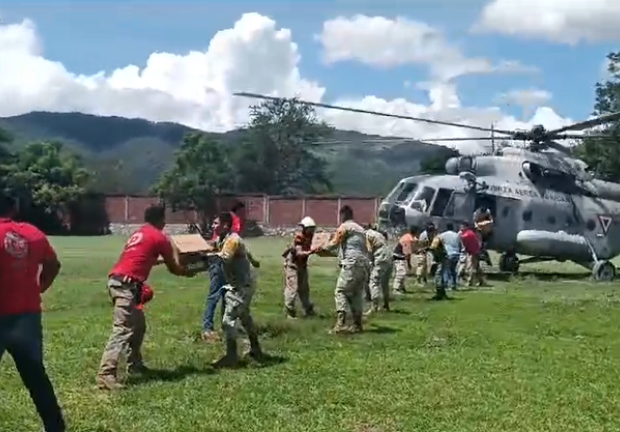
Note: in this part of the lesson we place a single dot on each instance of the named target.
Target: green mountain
(128, 155)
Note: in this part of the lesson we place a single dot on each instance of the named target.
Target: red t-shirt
(23, 248)
(141, 253)
(471, 242)
(236, 224)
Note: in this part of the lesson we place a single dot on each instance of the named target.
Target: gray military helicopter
(545, 204)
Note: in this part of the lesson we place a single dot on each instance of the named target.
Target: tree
(436, 164)
(601, 153)
(200, 172)
(47, 176)
(276, 154)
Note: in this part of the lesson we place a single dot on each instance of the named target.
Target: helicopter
(546, 205)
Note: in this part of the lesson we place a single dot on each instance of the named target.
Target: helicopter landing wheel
(603, 271)
(509, 263)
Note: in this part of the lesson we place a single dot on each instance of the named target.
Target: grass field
(537, 353)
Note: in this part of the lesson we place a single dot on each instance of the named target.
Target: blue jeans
(217, 279)
(448, 272)
(22, 337)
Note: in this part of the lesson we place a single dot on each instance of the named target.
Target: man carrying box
(125, 285)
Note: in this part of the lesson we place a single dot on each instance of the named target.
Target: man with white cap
(296, 269)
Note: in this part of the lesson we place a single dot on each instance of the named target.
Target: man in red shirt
(125, 284)
(472, 246)
(24, 251)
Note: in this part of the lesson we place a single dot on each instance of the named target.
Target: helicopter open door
(461, 206)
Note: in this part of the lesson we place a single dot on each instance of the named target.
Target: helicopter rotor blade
(375, 113)
(431, 140)
(558, 147)
(587, 124)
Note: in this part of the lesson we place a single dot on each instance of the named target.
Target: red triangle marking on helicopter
(605, 222)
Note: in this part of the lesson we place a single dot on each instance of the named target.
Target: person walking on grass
(24, 252)
(125, 286)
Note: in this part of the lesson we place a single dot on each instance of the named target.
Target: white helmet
(307, 222)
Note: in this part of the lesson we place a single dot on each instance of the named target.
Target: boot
(255, 351)
(386, 305)
(231, 358)
(138, 369)
(357, 326)
(108, 382)
(310, 312)
(440, 294)
(341, 323)
(210, 336)
(291, 314)
(374, 308)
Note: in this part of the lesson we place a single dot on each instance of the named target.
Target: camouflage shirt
(350, 239)
(378, 246)
(237, 266)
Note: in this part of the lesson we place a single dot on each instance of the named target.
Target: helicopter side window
(527, 215)
(424, 195)
(441, 201)
(407, 190)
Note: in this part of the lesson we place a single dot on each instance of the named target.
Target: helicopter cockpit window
(424, 195)
(406, 191)
(527, 215)
(442, 200)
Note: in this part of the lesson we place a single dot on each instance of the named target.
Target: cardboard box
(322, 239)
(190, 249)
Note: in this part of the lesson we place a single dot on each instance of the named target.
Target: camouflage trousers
(421, 265)
(379, 280)
(349, 294)
(400, 273)
(296, 285)
(128, 330)
(237, 310)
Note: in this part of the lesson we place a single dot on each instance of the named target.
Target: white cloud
(384, 42)
(562, 21)
(195, 89)
(525, 97)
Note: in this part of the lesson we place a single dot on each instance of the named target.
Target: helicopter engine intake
(457, 165)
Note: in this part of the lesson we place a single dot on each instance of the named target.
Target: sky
(481, 62)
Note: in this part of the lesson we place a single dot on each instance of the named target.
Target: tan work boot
(231, 358)
(341, 324)
(108, 382)
(210, 336)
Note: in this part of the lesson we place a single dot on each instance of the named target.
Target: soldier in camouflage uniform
(381, 269)
(350, 240)
(403, 250)
(238, 295)
(424, 242)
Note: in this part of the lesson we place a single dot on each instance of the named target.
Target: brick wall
(267, 211)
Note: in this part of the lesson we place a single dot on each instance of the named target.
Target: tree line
(277, 153)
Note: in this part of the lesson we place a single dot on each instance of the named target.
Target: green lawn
(533, 354)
